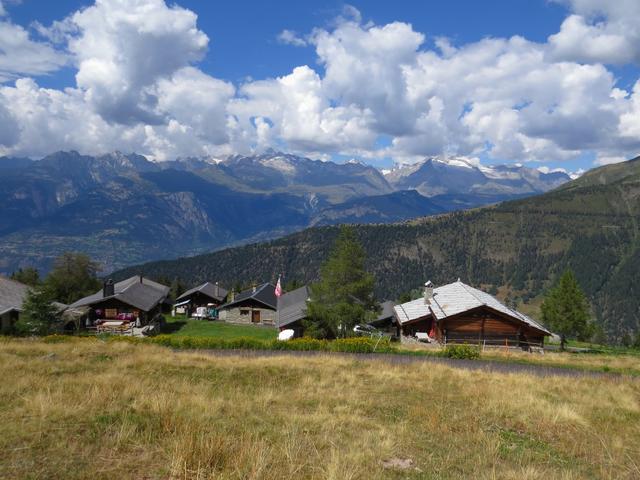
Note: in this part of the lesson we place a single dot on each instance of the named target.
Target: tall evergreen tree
(344, 295)
(566, 311)
(39, 316)
(73, 277)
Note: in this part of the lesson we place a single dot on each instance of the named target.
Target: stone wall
(245, 314)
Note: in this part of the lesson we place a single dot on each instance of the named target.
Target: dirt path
(480, 365)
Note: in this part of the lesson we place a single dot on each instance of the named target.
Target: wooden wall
(423, 325)
(198, 299)
(112, 304)
(7, 321)
(489, 327)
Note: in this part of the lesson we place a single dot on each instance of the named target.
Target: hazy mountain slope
(393, 207)
(13, 163)
(518, 246)
(124, 209)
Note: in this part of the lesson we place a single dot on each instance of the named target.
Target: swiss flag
(278, 291)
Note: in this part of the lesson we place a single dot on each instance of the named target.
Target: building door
(255, 316)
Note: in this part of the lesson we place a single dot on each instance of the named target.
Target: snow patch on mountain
(280, 163)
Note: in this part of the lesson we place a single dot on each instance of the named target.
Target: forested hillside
(590, 225)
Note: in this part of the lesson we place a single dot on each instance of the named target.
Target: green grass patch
(183, 327)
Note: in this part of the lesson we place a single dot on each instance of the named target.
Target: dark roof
(292, 306)
(387, 310)
(139, 292)
(264, 294)
(211, 290)
(12, 294)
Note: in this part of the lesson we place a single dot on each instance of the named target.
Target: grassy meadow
(102, 410)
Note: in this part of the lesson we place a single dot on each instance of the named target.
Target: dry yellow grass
(620, 363)
(114, 410)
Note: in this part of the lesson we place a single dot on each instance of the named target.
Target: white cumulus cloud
(377, 90)
(21, 55)
(603, 31)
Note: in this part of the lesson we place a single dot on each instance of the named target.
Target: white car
(366, 330)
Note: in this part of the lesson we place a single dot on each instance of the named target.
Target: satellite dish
(285, 335)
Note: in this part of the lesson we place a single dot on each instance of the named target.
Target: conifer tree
(343, 297)
(74, 276)
(39, 316)
(566, 311)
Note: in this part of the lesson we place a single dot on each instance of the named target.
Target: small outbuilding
(12, 296)
(292, 310)
(208, 295)
(386, 320)
(459, 313)
(256, 305)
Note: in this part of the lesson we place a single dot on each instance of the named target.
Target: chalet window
(244, 312)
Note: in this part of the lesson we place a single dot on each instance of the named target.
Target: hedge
(347, 345)
(461, 352)
(353, 345)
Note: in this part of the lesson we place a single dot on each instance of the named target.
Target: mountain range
(515, 249)
(123, 209)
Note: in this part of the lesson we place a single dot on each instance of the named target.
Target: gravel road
(480, 365)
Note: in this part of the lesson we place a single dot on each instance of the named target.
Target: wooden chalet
(136, 299)
(12, 296)
(208, 295)
(257, 305)
(292, 310)
(459, 313)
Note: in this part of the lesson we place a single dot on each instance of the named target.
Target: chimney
(108, 289)
(428, 292)
(217, 290)
(254, 288)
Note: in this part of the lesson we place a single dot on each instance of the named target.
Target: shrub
(462, 351)
(352, 345)
(246, 343)
(164, 340)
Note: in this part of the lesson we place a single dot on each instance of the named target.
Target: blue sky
(447, 82)
(244, 33)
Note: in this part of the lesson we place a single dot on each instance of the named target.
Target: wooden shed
(203, 295)
(292, 310)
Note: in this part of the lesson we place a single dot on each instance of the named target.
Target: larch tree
(74, 276)
(344, 296)
(29, 276)
(566, 311)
